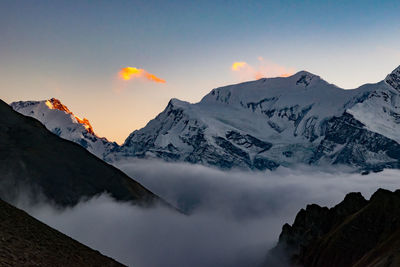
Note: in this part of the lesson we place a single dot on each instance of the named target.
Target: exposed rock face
(26, 241)
(356, 232)
(34, 160)
(393, 79)
(347, 141)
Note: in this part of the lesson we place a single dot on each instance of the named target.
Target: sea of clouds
(233, 217)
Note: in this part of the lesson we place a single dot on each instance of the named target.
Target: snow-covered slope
(279, 121)
(60, 120)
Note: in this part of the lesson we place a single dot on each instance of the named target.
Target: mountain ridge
(60, 170)
(58, 119)
(275, 122)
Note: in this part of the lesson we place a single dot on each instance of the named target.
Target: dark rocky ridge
(37, 162)
(25, 241)
(355, 232)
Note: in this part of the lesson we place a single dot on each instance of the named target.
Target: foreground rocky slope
(261, 125)
(25, 241)
(35, 164)
(356, 232)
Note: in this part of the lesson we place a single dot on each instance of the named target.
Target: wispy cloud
(264, 69)
(131, 73)
(236, 66)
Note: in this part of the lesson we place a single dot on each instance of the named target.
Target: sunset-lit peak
(56, 104)
(130, 73)
(85, 122)
(49, 105)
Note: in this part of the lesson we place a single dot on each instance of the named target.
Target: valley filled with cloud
(229, 218)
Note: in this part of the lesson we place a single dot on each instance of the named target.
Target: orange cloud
(236, 66)
(130, 73)
(264, 69)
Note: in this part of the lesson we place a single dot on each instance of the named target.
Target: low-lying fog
(235, 216)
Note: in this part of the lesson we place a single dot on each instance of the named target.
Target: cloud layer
(235, 216)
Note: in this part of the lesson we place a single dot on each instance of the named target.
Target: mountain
(37, 163)
(263, 124)
(278, 121)
(26, 241)
(355, 232)
(61, 121)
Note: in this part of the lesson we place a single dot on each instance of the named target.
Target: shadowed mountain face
(27, 242)
(35, 162)
(356, 232)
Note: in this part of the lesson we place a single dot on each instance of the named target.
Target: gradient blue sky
(73, 50)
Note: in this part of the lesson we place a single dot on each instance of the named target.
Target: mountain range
(256, 125)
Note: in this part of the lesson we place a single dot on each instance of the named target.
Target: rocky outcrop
(393, 79)
(347, 141)
(356, 232)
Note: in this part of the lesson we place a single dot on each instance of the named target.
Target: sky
(75, 50)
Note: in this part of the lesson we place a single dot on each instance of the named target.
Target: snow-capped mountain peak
(304, 78)
(278, 121)
(61, 121)
(54, 103)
